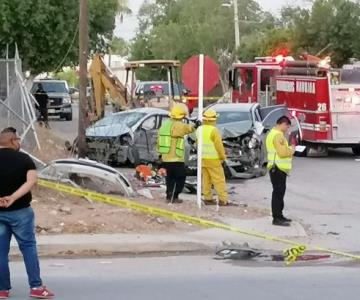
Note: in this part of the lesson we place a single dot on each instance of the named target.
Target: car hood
(234, 129)
(112, 130)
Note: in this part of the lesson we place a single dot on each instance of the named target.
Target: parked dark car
(149, 89)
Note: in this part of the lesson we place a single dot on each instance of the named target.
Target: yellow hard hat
(210, 115)
(177, 112)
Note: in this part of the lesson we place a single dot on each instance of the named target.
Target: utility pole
(236, 24)
(83, 56)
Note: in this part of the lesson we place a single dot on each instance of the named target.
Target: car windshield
(233, 116)
(128, 119)
(54, 87)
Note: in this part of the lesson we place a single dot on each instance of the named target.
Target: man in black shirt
(42, 99)
(17, 177)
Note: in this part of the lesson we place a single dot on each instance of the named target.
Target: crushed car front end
(245, 152)
(245, 156)
(107, 149)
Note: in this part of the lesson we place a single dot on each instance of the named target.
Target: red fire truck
(324, 104)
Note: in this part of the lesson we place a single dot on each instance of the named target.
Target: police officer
(171, 147)
(213, 156)
(279, 156)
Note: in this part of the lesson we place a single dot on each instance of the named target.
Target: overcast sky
(127, 29)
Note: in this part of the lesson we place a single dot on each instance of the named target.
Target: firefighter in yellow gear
(213, 156)
(171, 147)
(279, 155)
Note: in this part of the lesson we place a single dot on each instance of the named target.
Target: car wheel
(356, 150)
(68, 117)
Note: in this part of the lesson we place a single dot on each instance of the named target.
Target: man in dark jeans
(42, 99)
(17, 177)
(279, 155)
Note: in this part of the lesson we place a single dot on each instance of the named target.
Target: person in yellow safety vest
(213, 156)
(279, 155)
(171, 147)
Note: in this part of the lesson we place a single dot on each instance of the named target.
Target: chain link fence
(16, 103)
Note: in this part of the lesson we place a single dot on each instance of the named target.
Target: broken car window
(128, 119)
(233, 116)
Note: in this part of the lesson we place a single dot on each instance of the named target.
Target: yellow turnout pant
(214, 176)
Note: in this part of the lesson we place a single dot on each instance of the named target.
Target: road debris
(235, 251)
(88, 174)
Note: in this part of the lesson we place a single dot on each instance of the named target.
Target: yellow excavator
(104, 81)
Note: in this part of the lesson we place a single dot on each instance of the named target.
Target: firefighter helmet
(210, 115)
(177, 112)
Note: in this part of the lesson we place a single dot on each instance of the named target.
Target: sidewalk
(200, 241)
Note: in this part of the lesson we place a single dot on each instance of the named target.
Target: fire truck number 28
(322, 107)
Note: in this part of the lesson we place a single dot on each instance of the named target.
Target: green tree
(329, 24)
(46, 30)
(119, 46)
(172, 29)
(70, 75)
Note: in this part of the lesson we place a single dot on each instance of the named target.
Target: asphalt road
(193, 278)
(322, 193)
(66, 129)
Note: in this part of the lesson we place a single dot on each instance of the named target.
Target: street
(66, 129)
(322, 193)
(188, 277)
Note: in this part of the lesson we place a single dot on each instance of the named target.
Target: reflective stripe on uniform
(208, 147)
(284, 164)
(165, 139)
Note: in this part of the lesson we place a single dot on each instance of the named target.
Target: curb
(119, 250)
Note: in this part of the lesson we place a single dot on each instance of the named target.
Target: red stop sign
(190, 74)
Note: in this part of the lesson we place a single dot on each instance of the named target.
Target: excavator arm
(103, 80)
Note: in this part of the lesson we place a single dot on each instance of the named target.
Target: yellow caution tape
(293, 253)
(290, 254)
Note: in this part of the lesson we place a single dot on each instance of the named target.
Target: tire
(356, 150)
(68, 117)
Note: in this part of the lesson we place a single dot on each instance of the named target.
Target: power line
(69, 49)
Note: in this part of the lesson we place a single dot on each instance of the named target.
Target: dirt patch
(58, 213)
(62, 213)
(52, 146)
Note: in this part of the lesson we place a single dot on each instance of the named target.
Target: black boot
(280, 222)
(285, 219)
